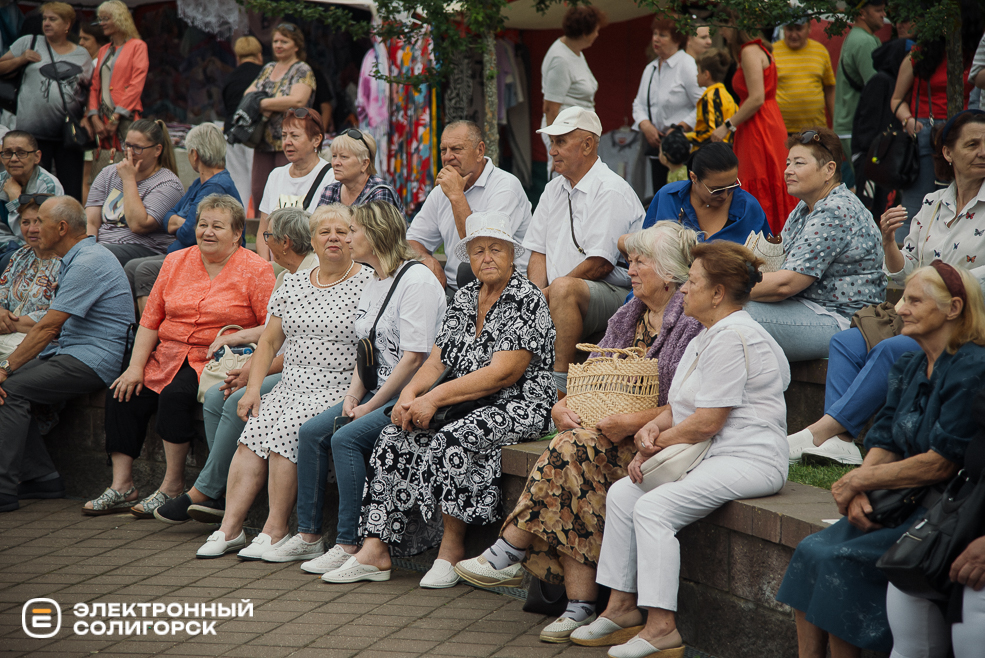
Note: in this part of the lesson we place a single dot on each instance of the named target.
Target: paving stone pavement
(47, 549)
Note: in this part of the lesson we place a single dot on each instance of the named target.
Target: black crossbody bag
(367, 360)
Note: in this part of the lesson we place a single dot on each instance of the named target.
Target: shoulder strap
(57, 81)
(386, 300)
(314, 186)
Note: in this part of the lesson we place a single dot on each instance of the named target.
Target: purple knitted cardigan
(676, 332)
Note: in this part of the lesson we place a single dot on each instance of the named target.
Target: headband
(952, 280)
(755, 276)
(950, 123)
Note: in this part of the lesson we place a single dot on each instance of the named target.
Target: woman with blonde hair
(918, 439)
(356, 182)
(118, 82)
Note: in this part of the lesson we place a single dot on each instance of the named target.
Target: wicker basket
(609, 385)
(770, 249)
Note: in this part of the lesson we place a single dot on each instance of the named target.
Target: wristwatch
(728, 124)
(5, 366)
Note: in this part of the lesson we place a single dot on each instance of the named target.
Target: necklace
(333, 283)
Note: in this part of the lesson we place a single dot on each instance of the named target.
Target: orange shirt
(188, 310)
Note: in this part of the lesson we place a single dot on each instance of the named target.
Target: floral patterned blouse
(519, 320)
(840, 246)
(298, 73)
(28, 284)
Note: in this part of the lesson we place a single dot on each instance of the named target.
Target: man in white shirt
(573, 237)
(468, 182)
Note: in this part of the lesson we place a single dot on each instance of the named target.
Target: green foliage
(817, 476)
(754, 15)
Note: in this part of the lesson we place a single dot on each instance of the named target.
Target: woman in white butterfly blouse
(951, 227)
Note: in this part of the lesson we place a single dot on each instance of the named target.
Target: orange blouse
(188, 310)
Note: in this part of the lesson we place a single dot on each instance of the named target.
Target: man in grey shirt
(89, 315)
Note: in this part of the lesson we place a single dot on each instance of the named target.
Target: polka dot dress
(318, 362)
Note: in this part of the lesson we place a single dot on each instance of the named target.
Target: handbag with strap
(890, 507)
(10, 84)
(674, 462)
(877, 322)
(74, 136)
(893, 159)
(770, 249)
(452, 412)
(216, 370)
(367, 360)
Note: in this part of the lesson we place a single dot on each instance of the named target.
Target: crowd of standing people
(340, 351)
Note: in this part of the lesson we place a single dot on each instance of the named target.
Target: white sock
(579, 610)
(503, 554)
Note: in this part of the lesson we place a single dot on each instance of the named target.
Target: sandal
(110, 501)
(150, 503)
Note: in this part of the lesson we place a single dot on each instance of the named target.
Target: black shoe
(210, 511)
(175, 510)
(54, 488)
(8, 503)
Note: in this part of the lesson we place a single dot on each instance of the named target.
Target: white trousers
(641, 528)
(919, 629)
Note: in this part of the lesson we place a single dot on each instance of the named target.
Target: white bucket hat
(490, 224)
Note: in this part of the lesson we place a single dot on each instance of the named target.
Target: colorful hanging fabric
(373, 104)
(410, 124)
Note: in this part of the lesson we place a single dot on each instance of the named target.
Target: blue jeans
(858, 379)
(802, 333)
(351, 448)
(222, 430)
(912, 197)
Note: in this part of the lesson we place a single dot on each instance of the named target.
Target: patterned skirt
(563, 504)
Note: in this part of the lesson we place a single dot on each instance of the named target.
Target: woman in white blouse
(668, 94)
(951, 227)
(566, 80)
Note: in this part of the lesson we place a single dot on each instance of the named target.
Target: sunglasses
(809, 136)
(290, 27)
(25, 199)
(355, 134)
(722, 191)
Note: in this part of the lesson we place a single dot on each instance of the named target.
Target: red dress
(760, 145)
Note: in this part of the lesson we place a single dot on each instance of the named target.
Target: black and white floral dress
(457, 470)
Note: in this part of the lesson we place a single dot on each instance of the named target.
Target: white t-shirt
(756, 427)
(566, 78)
(283, 191)
(604, 207)
(495, 189)
(411, 320)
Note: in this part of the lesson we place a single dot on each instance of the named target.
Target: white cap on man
(574, 118)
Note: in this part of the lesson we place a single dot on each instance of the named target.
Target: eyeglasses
(266, 236)
(137, 150)
(20, 153)
(25, 199)
(103, 19)
(809, 136)
(722, 191)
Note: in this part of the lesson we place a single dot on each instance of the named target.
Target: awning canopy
(522, 14)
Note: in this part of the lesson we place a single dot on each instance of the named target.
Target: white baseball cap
(490, 224)
(573, 118)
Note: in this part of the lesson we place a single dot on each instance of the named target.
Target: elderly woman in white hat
(487, 384)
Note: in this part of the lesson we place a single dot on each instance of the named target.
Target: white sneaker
(799, 442)
(559, 631)
(834, 451)
(217, 546)
(480, 573)
(295, 549)
(260, 545)
(330, 561)
(441, 575)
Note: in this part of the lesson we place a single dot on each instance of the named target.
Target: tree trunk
(491, 123)
(955, 61)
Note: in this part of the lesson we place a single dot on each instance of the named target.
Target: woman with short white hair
(356, 181)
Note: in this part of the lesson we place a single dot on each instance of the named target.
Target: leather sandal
(149, 504)
(110, 501)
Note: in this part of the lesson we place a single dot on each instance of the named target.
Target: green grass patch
(817, 476)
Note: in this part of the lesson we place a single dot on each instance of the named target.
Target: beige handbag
(608, 385)
(770, 249)
(215, 371)
(674, 462)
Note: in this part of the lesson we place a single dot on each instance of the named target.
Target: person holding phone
(128, 203)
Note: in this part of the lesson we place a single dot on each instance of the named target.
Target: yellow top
(802, 76)
(714, 107)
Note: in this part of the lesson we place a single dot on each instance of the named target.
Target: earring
(666, 287)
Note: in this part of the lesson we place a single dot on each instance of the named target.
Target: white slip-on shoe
(441, 575)
(217, 545)
(260, 545)
(295, 549)
(640, 648)
(352, 572)
(603, 632)
(834, 451)
(480, 573)
(330, 561)
(799, 442)
(559, 631)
